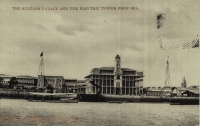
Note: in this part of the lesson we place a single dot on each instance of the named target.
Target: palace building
(114, 80)
(27, 82)
(53, 81)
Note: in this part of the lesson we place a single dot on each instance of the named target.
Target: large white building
(114, 80)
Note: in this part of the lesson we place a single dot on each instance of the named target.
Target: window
(118, 77)
(118, 84)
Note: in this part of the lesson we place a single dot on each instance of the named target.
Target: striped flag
(196, 44)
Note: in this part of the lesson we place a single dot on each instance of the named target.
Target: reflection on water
(22, 112)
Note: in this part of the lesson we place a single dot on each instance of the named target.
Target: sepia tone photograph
(99, 62)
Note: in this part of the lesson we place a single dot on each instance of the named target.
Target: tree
(1, 82)
(50, 87)
(13, 82)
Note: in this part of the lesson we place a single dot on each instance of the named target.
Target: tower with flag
(41, 70)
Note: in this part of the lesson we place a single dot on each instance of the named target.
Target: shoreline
(23, 94)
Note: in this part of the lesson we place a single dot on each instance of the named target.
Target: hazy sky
(76, 41)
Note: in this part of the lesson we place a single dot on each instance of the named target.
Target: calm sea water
(22, 112)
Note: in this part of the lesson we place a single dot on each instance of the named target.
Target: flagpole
(41, 65)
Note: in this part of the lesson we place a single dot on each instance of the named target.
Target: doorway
(117, 91)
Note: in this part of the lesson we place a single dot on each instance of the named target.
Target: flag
(196, 44)
(160, 20)
(41, 54)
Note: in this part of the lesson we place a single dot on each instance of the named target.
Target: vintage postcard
(99, 62)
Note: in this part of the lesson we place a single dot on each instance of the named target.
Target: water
(21, 112)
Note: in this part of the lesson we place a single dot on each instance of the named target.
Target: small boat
(119, 102)
(55, 97)
(68, 100)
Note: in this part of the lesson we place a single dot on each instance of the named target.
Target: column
(102, 84)
(114, 88)
(95, 85)
(142, 90)
(139, 86)
(129, 85)
(125, 84)
(106, 85)
(110, 85)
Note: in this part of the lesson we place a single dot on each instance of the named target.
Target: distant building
(54, 81)
(186, 92)
(5, 80)
(70, 86)
(194, 86)
(26, 82)
(82, 87)
(158, 91)
(177, 91)
(74, 86)
(114, 80)
(191, 93)
(184, 84)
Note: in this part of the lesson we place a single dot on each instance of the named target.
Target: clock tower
(118, 76)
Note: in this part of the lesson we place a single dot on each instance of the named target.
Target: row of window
(112, 77)
(26, 83)
(111, 83)
(24, 79)
(110, 90)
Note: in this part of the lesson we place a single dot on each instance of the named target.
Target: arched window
(118, 84)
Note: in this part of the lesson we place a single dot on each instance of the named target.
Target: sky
(74, 42)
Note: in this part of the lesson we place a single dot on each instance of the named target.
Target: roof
(107, 68)
(4, 75)
(194, 86)
(154, 90)
(159, 89)
(88, 75)
(52, 76)
(193, 91)
(127, 69)
(80, 81)
(185, 89)
(24, 76)
(138, 79)
(70, 79)
(112, 68)
(181, 88)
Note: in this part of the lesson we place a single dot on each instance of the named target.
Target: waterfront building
(70, 86)
(194, 86)
(185, 92)
(26, 82)
(114, 80)
(82, 87)
(75, 86)
(56, 82)
(191, 93)
(177, 91)
(158, 91)
(5, 80)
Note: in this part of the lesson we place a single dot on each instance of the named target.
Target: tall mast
(167, 75)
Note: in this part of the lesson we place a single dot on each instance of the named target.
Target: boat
(54, 97)
(68, 100)
(119, 102)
